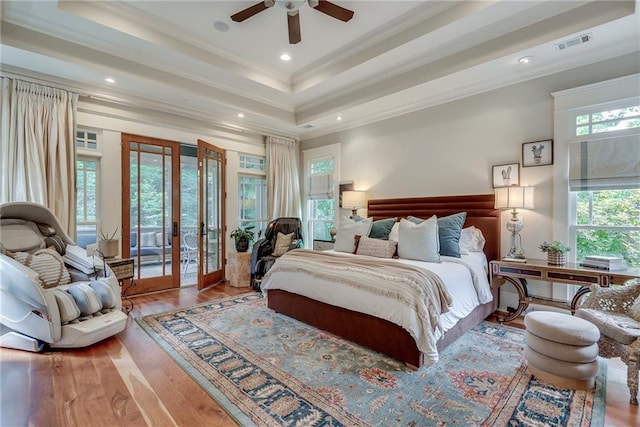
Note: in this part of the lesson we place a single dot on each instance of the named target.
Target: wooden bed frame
(382, 335)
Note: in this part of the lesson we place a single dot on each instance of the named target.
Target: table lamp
(354, 200)
(514, 197)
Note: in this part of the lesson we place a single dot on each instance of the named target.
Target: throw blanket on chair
(420, 293)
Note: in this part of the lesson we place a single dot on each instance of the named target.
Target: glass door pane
(150, 223)
(211, 214)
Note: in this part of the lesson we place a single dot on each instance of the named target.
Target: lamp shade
(354, 199)
(514, 197)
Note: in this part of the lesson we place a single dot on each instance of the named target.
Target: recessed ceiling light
(339, 118)
(241, 115)
(109, 80)
(285, 57)
(221, 26)
(525, 59)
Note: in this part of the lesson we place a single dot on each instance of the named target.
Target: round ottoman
(561, 349)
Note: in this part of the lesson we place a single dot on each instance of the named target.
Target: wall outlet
(91, 249)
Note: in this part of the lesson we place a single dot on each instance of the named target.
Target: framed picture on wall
(344, 186)
(537, 153)
(506, 175)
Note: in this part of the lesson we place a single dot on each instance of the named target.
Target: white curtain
(283, 181)
(37, 147)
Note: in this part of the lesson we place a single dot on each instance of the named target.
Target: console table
(517, 274)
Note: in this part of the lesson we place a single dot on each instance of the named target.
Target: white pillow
(393, 234)
(347, 231)
(466, 237)
(471, 240)
(419, 241)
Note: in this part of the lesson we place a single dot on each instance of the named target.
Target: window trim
(574, 113)
(573, 137)
(312, 156)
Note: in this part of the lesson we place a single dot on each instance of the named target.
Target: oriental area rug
(267, 369)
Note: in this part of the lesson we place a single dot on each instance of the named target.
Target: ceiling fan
(293, 17)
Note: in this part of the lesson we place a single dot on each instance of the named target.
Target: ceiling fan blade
(294, 28)
(334, 10)
(250, 11)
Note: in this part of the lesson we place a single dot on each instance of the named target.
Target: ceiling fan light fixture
(293, 15)
(290, 5)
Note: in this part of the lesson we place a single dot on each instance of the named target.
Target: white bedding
(456, 273)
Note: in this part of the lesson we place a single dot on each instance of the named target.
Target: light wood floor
(128, 380)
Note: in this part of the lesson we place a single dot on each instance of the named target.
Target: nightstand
(323, 245)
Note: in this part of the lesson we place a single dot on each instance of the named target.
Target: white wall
(450, 149)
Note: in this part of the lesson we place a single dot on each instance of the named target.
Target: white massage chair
(51, 292)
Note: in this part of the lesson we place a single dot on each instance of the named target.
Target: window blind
(605, 164)
(320, 186)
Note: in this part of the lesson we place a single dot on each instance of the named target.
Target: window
(87, 196)
(608, 120)
(86, 140)
(321, 200)
(606, 188)
(87, 186)
(608, 223)
(252, 193)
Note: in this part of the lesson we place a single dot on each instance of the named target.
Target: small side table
(123, 269)
(239, 269)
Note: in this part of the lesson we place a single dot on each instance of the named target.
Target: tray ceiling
(190, 59)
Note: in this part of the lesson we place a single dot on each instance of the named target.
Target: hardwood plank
(129, 380)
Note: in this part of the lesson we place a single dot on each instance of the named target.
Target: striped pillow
(283, 243)
(47, 263)
(376, 247)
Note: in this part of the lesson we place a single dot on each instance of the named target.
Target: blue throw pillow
(449, 228)
(381, 228)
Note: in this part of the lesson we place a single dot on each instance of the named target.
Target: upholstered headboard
(479, 208)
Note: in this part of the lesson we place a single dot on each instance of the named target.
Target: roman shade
(605, 164)
(321, 186)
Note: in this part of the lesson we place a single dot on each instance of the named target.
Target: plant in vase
(108, 243)
(556, 252)
(242, 237)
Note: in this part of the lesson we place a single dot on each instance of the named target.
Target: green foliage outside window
(607, 121)
(608, 222)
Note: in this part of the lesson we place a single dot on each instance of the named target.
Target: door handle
(175, 228)
(202, 228)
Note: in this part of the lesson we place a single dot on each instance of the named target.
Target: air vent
(307, 126)
(573, 42)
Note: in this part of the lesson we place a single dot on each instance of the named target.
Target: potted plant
(108, 243)
(242, 237)
(556, 252)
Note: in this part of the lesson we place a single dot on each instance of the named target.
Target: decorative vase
(242, 245)
(556, 258)
(109, 248)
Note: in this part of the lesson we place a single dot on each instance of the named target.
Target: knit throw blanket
(420, 291)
